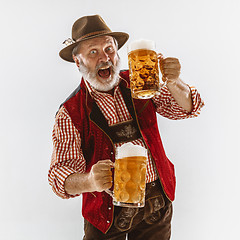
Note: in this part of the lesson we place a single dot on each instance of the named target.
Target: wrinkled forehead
(98, 41)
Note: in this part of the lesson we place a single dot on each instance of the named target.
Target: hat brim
(66, 53)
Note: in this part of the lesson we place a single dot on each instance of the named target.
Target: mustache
(104, 65)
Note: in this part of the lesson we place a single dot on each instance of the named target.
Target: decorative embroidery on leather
(128, 132)
(124, 132)
(124, 220)
(153, 218)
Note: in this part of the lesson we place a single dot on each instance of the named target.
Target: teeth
(104, 68)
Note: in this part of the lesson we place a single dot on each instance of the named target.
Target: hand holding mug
(101, 176)
(170, 68)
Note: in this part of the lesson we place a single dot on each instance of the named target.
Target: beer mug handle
(164, 83)
(108, 191)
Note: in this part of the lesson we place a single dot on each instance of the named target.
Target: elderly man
(84, 135)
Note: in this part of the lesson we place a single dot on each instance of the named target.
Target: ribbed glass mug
(143, 69)
(129, 176)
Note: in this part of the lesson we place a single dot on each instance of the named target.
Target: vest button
(111, 153)
(109, 208)
(108, 221)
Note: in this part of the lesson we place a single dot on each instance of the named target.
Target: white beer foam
(130, 150)
(141, 44)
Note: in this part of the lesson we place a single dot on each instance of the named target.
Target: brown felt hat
(88, 27)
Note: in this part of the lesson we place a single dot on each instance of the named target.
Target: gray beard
(91, 76)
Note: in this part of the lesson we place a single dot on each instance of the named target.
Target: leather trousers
(151, 222)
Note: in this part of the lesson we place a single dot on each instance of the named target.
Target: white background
(204, 35)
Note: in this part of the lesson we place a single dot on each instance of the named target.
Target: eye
(110, 49)
(92, 52)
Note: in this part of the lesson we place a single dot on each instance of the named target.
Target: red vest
(97, 207)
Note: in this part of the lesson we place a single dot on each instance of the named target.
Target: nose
(103, 56)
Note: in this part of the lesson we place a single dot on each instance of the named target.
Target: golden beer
(143, 69)
(130, 180)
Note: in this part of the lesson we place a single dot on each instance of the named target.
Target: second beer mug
(129, 176)
(143, 69)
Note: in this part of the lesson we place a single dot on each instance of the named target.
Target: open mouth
(104, 72)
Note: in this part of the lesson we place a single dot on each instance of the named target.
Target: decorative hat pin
(68, 41)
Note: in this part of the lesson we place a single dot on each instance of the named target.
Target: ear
(76, 60)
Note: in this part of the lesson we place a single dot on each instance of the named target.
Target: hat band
(92, 34)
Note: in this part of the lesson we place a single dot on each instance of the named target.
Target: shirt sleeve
(167, 106)
(67, 156)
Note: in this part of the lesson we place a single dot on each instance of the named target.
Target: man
(84, 135)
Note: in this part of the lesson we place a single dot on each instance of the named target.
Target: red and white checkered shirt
(67, 157)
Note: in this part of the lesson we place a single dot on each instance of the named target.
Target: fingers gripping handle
(108, 191)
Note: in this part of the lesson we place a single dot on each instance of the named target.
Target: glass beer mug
(129, 176)
(143, 69)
